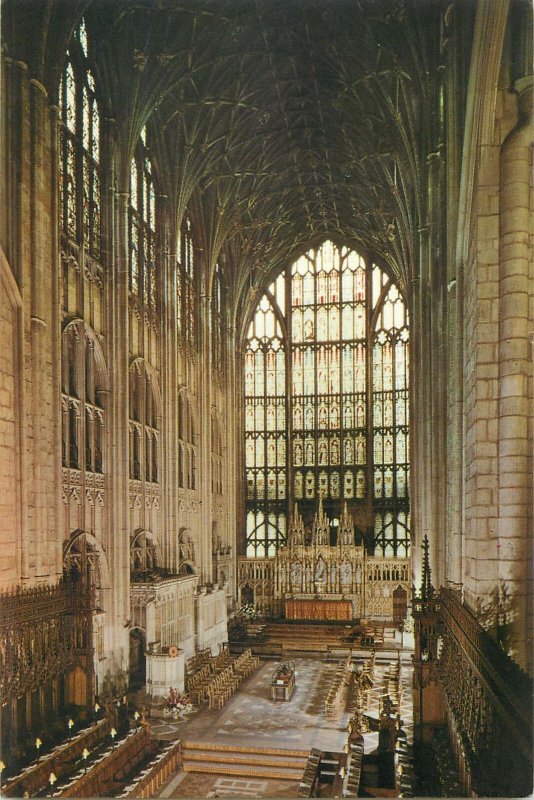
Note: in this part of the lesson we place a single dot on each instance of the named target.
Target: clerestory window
(79, 148)
(142, 232)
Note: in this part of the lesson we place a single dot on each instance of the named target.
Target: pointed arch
(83, 555)
(145, 552)
(80, 174)
(145, 421)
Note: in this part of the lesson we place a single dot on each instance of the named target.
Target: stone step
(229, 748)
(256, 772)
(247, 759)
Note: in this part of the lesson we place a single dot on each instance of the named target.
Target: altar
(318, 609)
(311, 578)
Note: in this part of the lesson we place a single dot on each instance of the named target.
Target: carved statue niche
(296, 575)
(345, 573)
(320, 570)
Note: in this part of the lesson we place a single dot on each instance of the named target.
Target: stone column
(204, 429)
(168, 424)
(42, 273)
(232, 468)
(118, 478)
(515, 394)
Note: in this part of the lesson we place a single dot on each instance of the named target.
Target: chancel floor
(252, 720)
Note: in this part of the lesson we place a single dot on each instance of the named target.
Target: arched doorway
(400, 604)
(137, 658)
(247, 595)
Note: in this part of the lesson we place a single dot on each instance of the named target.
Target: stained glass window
(333, 331)
(186, 301)
(216, 319)
(142, 234)
(265, 427)
(79, 169)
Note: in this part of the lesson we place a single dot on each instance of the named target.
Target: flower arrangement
(176, 704)
(248, 612)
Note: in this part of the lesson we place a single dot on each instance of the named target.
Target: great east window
(326, 402)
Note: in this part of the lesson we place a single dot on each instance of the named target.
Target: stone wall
(491, 559)
(9, 431)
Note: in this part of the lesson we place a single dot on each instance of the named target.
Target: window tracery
(186, 283)
(143, 425)
(216, 320)
(326, 400)
(187, 451)
(82, 408)
(142, 233)
(79, 163)
(216, 457)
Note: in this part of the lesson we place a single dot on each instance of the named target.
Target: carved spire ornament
(345, 537)
(295, 536)
(320, 527)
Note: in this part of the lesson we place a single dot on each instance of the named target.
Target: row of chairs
(246, 663)
(226, 683)
(218, 680)
(222, 687)
(199, 660)
(338, 688)
(207, 666)
(196, 680)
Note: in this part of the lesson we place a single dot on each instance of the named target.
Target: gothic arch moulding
(139, 363)
(84, 555)
(145, 554)
(187, 556)
(79, 327)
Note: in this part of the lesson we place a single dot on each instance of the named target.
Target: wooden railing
(489, 702)
(117, 761)
(60, 760)
(165, 764)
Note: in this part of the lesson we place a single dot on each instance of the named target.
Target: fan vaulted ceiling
(279, 122)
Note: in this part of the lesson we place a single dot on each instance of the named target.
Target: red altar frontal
(318, 609)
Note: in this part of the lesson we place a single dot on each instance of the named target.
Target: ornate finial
(320, 527)
(427, 590)
(345, 536)
(295, 536)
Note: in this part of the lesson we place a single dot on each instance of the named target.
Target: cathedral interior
(266, 398)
